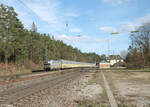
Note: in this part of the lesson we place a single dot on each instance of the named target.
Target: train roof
(67, 61)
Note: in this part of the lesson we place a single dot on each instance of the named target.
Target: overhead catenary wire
(30, 11)
(34, 14)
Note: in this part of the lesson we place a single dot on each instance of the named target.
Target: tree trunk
(6, 61)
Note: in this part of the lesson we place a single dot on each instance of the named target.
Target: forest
(27, 48)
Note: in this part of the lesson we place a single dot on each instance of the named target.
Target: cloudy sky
(85, 24)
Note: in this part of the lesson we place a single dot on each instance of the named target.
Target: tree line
(20, 45)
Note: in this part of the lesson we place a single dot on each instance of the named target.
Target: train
(63, 64)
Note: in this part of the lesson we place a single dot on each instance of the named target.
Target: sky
(85, 24)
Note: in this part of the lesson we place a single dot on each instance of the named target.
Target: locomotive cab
(47, 65)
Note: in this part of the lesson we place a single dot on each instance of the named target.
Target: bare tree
(141, 41)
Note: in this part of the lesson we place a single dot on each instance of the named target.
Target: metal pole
(46, 51)
(108, 47)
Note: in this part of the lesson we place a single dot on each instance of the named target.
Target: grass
(94, 75)
(89, 103)
(82, 103)
(17, 76)
(126, 105)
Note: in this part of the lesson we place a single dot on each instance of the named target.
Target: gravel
(62, 95)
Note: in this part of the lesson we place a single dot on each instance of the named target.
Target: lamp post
(109, 41)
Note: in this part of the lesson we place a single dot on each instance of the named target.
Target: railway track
(13, 95)
(28, 75)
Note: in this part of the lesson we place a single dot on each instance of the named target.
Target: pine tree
(10, 28)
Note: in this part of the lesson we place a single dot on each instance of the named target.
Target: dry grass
(134, 77)
(129, 86)
(13, 69)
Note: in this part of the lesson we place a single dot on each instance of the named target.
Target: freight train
(62, 64)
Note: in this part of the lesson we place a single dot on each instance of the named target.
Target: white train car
(62, 64)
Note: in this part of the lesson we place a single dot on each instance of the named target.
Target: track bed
(36, 93)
